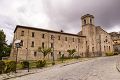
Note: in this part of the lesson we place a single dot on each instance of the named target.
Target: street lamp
(53, 63)
(17, 45)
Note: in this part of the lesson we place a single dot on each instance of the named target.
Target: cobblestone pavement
(103, 68)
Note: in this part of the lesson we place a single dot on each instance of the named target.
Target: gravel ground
(103, 68)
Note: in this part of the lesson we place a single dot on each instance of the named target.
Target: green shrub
(25, 64)
(116, 53)
(10, 66)
(77, 57)
(40, 63)
(109, 54)
(53, 63)
(2, 66)
(65, 57)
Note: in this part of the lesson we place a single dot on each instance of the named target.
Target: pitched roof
(87, 15)
(40, 29)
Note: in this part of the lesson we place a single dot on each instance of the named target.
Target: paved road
(103, 68)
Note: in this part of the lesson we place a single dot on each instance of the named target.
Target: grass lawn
(49, 62)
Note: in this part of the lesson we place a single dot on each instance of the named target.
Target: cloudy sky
(58, 14)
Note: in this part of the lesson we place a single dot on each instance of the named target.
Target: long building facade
(89, 42)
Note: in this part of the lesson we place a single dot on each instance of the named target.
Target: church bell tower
(89, 30)
(87, 25)
(87, 20)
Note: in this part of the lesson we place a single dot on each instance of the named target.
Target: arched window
(90, 21)
(84, 21)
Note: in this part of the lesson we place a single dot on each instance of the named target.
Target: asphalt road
(103, 68)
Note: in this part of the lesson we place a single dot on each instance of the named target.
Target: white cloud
(114, 29)
(27, 12)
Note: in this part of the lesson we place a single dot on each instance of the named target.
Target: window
(42, 44)
(109, 48)
(35, 54)
(33, 34)
(90, 21)
(51, 45)
(73, 40)
(106, 40)
(78, 40)
(58, 37)
(43, 35)
(60, 53)
(52, 37)
(84, 21)
(32, 44)
(65, 38)
(22, 33)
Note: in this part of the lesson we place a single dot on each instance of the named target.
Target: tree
(4, 48)
(45, 51)
(2, 43)
(7, 50)
(71, 52)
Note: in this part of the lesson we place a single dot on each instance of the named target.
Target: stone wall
(60, 46)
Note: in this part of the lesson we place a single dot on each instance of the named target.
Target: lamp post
(17, 44)
(53, 63)
(27, 60)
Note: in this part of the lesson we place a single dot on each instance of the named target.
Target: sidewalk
(36, 70)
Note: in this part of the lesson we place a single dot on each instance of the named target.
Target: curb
(118, 64)
(18, 76)
(74, 62)
(118, 67)
(71, 63)
(10, 77)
